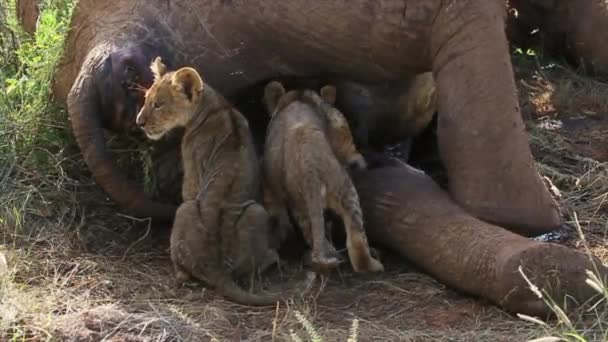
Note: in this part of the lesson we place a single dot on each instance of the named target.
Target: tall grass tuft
(594, 328)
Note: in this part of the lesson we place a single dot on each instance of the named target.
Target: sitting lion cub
(219, 229)
(307, 145)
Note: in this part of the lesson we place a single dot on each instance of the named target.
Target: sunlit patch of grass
(559, 90)
(32, 129)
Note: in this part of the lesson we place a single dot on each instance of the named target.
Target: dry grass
(57, 288)
(567, 120)
(568, 123)
(77, 271)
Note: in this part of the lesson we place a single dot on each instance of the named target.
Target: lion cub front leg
(308, 213)
(281, 227)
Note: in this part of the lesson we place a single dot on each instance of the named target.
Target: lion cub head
(171, 100)
(276, 98)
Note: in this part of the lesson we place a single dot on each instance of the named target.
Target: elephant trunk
(407, 212)
(86, 116)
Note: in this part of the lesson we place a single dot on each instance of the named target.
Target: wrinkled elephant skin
(406, 212)
(236, 45)
(462, 42)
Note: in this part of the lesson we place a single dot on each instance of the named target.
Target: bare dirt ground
(78, 271)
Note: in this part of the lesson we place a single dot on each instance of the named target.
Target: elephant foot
(558, 271)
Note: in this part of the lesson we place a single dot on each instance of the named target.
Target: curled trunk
(86, 117)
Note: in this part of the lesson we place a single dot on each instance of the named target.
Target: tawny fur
(388, 112)
(220, 230)
(418, 104)
(307, 148)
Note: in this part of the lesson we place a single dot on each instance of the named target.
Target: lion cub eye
(157, 105)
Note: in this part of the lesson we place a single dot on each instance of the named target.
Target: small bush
(31, 127)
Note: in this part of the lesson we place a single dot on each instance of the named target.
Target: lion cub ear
(328, 93)
(188, 81)
(272, 94)
(158, 68)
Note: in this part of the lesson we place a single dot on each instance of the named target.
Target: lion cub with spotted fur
(219, 230)
(308, 144)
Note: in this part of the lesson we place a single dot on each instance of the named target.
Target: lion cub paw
(323, 262)
(365, 260)
(375, 266)
(372, 265)
(181, 278)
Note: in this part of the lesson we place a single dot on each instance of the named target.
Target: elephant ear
(272, 94)
(328, 93)
(188, 81)
(158, 68)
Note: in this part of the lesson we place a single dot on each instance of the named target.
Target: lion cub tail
(235, 293)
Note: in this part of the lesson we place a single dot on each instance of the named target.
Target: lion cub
(219, 230)
(389, 112)
(307, 145)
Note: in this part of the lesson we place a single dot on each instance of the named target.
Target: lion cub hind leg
(280, 226)
(346, 205)
(308, 212)
(185, 227)
(254, 249)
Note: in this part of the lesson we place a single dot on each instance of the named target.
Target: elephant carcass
(236, 45)
(573, 29)
(413, 214)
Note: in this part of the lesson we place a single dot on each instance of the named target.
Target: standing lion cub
(307, 145)
(219, 230)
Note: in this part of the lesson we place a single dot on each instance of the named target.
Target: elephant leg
(407, 212)
(481, 135)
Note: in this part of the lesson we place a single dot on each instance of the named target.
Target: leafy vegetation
(31, 127)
